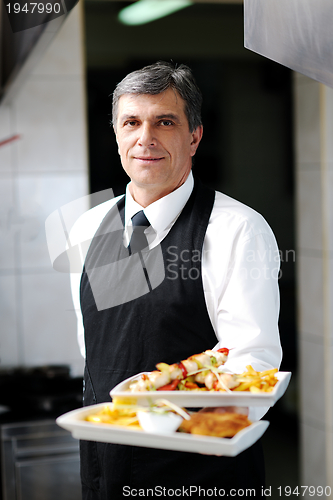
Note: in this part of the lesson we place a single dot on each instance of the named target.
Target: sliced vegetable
(163, 367)
(191, 385)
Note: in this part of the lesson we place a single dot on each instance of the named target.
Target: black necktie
(138, 239)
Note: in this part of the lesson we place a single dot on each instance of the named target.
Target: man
(219, 285)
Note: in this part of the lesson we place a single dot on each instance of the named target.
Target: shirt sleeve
(248, 309)
(242, 298)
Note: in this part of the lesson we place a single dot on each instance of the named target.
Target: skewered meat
(168, 376)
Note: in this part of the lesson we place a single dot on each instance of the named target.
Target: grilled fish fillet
(215, 424)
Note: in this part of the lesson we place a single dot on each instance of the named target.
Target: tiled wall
(40, 172)
(314, 221)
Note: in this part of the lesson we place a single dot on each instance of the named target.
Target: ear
(115, 133)
(196, 138)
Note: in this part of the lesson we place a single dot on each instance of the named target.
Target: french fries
(256, 382)
(116, 416)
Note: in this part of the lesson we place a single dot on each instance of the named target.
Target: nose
(146, 135)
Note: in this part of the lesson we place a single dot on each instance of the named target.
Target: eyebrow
(169, 116)
(128, 117)
(165, 116)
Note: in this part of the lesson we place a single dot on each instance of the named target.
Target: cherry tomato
(183, 369)
(169, 387)
(224, 350)
(215, 385)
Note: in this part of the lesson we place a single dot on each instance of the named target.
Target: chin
(147, 179)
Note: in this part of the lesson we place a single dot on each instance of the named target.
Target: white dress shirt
(240, 267)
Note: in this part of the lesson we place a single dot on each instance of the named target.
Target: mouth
(149, 159)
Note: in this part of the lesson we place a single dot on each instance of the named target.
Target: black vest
(168, 323)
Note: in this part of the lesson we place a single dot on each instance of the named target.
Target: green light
(145, 11)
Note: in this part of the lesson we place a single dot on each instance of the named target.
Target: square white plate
(75, 422)
(193, 399)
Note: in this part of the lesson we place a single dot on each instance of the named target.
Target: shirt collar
(163, 211)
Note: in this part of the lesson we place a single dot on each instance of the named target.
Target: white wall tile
(310, 294)
(307, 121)
(6, 191)
(313, 457)
(9, 314)
(312, 381)
(51, 118)
(64, 55)
(329, 127)
(301, 79)
(329, 210)
(5, 133)
(8, 224)
(309, 209)
(49, 320)
(77, 366)
(39, 196)
(330, 298)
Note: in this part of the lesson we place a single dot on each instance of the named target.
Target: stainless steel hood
(295, 33)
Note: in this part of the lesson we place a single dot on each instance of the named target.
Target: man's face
(154, 141)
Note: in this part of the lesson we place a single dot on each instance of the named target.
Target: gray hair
(157, 78)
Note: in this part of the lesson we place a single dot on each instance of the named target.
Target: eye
(130, 123)
(166, 123)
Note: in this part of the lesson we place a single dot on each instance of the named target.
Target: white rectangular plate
(193, 399)
(75, 422)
